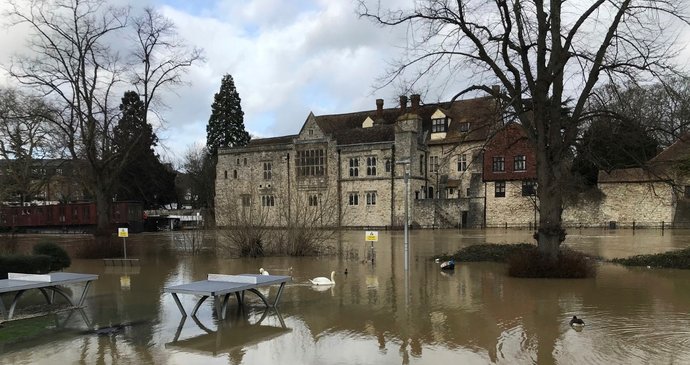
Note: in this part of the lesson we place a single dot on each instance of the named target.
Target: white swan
(323, 281)
(263, 272)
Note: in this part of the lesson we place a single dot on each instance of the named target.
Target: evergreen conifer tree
(226, 125)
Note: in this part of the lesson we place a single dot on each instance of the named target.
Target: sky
(287, 58)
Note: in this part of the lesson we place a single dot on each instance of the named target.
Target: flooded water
(376, 314)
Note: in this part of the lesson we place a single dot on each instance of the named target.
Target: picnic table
(19, 283)
(220, 287)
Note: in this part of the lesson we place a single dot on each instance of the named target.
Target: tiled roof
(347, 128)
(271, 141)
(678, 151)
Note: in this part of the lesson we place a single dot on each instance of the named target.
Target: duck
(323, 280)
(263, 272)
(577, 322)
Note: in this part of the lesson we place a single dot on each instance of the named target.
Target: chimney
(415, 102)
(403, 104)
(379, 108)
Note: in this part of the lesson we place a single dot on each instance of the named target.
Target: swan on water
(323, 281)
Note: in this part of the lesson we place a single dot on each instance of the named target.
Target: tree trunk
(549, 179)
(103, 212)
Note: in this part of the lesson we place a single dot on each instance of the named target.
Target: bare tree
(160, 58)
(72, 61)
(548, 56)
(25, 139)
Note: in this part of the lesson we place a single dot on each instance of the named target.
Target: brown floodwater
(376, 314)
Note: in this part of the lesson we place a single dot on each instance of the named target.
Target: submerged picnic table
(20, 283)
(218, 285)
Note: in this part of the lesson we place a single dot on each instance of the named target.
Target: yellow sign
(122, 232)
(372, 236)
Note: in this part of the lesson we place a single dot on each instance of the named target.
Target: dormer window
(439, 125)
(465, 127)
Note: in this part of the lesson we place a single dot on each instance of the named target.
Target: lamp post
(406, 165)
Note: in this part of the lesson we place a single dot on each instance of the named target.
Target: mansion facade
(348, 170)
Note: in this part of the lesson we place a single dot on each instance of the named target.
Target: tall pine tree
(143, 178)
(226, 125)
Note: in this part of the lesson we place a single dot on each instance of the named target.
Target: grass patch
(19, 330)
(526, 261)
(678, 259)
(486, 252)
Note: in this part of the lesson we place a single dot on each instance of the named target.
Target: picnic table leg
(49, 299)
(220, 307)
(179, 305)
(258, 293)
(179, 328)
(14, 303)
(198, 304)
(83, 293)
(280, 292)
(64, 295)
(239, 298)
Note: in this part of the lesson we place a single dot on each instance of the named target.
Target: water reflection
(378, 314)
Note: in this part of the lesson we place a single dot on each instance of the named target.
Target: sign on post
(122, 232)
(372, 236)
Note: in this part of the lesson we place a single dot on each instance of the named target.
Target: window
(499, 164)
(371, 166)
(353, 199)
(234, 174)
(467, 193)
(438, 125)
(311, 162)
(268, 167)
(226, 173)
(421, 164)
(58, 171)
(450, 192)
(246, 200)
(238, 161)
(371, 198)
(311, 132)
(313, 200)
(267, 201)
(245, 161)
(529, 188)
(354, 167)
(388, 165)
(462, 162)
(500, 189)
(465, 127)
(520, 163)
(433, 163)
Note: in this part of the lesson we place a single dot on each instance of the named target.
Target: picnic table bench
(219, 285)
(19, 283)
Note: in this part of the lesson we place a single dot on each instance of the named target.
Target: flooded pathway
(377, 314)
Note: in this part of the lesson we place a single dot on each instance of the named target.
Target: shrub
(59, 257)
(529, 262)
(487, 252)
(679, 259)
(36, 264)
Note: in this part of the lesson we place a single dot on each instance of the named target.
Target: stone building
(348, 169)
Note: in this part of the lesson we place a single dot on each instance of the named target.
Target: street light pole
(406, 165)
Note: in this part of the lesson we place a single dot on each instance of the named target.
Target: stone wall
(511, 210)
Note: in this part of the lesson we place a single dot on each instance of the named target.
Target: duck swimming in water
(577, 322)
